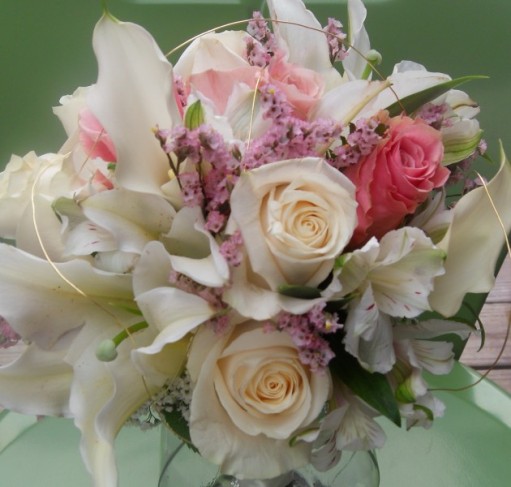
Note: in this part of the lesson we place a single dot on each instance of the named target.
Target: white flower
(17, 184)
(471, 252)
(349, 427)
(295, 217)
(133, 95)
(66, 312)
(251, 395)
(392, 278)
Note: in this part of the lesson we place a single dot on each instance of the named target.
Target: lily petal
(133, 95)
(346, 101)
(37, 383)
(473, 242)
(55, 306)
(355, 63)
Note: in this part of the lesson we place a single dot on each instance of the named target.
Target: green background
(45, 51)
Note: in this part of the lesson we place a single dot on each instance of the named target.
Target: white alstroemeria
(359, 45)
(133, 95)
(349, 427)
(171, 311)
(417, 405)
(393, 278)
(67, 310)
(473, 242)
(400, 270)
(113, 225)
(194, 252)
(423, 412)
(133, 219)
(302, 38)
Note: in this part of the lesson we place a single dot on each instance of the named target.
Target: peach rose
(251, 395)
(396, 177)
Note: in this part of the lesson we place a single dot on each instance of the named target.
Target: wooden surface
(495, 317)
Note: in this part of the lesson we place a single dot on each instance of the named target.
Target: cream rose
(296, 217)
(17, 182)
(251, 395)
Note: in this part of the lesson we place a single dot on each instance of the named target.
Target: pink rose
(302, 87)
(396, 177)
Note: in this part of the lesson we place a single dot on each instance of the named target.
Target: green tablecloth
(469, 447)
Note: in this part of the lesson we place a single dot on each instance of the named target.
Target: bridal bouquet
(256, 245)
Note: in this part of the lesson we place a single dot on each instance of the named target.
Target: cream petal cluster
(252, 394)
(296, 217)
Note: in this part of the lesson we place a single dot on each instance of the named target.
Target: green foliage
(301, 292)
(410, 103)
(372, 387)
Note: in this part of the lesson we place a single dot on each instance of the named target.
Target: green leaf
(301, 292)
(194, 116)
(372, 387)
(412, 102)
(175, 421)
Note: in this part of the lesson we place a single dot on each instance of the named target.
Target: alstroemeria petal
(132, 218)
(132, 96)
(473, 242)
(369, 334)
(37, 382)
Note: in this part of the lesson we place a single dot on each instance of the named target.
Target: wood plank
(501, 293)
(495, 318)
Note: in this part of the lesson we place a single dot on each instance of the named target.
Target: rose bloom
(396, 177)
(216, 64)
(295, 216)
(251, 395)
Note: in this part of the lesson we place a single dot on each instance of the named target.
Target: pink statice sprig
(307, 331)
(288, 136)
(206, 168)
(260, 42)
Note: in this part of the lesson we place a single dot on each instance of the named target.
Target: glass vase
(183, 467)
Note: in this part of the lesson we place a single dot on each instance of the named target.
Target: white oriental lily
(133, 95)
(65, 312)
(392, 278)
